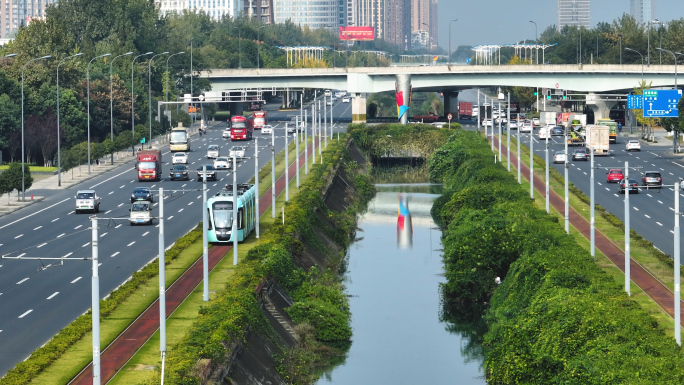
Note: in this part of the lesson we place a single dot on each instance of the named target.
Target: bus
(259, 119)
(241, 127)
(220, 211)
(180, 140)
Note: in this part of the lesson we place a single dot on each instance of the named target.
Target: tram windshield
(223, 214)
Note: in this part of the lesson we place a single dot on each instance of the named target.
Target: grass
(642, 255)
(33, 168)
(80, 354)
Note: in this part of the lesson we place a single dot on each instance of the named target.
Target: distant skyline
(506, 21)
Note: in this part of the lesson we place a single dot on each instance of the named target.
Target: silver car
(267, 129)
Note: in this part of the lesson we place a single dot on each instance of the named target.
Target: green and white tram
(220, 213)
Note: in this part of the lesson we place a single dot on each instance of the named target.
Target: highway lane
(37, 304)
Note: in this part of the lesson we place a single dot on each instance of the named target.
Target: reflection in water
(402, 332)
(404, 225)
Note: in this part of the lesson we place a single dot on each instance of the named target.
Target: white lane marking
(108, 211)
(85, 245)
(599, 183)
(169, 218)
(152, 186)
(585, 173)
(61, 235)
(22, 281)
(19, 236)
(99, 264)
(607, 189)
(103, 234)
(30, 215)
(145, 233)
(661, 202)
(114, 255)
(67, 255)
(130, 244)
(678, 164)
(199, 197)
(117, 226)
(660, 224)
(181, 210)
(646, 215)
(39, 227)
(55, 220)
(128, 170)
(53, 295)
(636, 208)
(672, 231)
(111, 193)
(21, 255)
(78, 227)
(671, 209)
(25, 314)
(190, 204)
(41, 245)
(670, 173)
(71, 212)
(122, 186)
(76, 280)
(649, 195)
(120, 204)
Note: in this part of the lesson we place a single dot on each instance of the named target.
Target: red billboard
(357, 33)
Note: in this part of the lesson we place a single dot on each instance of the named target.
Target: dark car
(142, 194)
(180, 172)
(210, 173)
(652, 178)
(579, 154)
(557, 131)
(633, 186)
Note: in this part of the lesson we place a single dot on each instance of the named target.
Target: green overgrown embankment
(557, 317)
(320, 307)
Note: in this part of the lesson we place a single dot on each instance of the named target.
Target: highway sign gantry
(661, 103)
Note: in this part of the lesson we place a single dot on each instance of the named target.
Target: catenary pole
(592, 203)
(306, 143)
(95, 305)
(531, 164)
(500, 132)
(162, 276)
(508, 132)
(287, 166)
(234, 230)
(567, 194)
(677, 278)
(627, 232)
(546, 173)
(273, 180)
(205, 240)
(517, 134)
(256, 181)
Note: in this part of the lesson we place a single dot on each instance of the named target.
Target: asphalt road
(36, 303)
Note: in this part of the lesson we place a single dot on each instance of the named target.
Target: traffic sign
(450, 116)
(142, 140)
(661, 103)
(635, 102)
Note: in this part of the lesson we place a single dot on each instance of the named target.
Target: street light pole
(642, 62)
(674, 55)
(259, 44)
(23, 153)
(620, 36)
(111, 99)
(133, 99)
(88, 90)
(149, 93)
(191, 76)
(536, 59)
(59, 155)
(166, 98)
(449, 60)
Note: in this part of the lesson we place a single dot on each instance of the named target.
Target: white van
(141, 213)
(87, 200)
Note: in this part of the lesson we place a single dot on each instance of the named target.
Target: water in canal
(402, 333)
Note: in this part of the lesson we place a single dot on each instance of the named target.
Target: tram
(220, 213)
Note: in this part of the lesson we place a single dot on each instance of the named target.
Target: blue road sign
(635, 102)
(467, 60)
(661, 103)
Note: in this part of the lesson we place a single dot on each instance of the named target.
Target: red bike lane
(115, 356)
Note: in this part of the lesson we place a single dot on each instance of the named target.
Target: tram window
(210, 222)
(241, 222)
(223, 205)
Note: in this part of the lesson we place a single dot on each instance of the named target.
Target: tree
(13, 178)
(5, 186)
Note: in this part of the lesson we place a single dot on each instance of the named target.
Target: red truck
(465, 110)
(149, 165)
(430, 118)
(259, 119)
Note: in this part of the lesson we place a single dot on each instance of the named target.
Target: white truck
(545, 132)
(87, 200)
(547, 118)
(598, 139)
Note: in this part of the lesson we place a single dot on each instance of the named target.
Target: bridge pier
(450, 104)
(600, 105)
(358, 107)
(403, 96)
(236, 108)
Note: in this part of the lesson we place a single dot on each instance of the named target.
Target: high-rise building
(420, 23)
(260, 9)
(313, 13)
(642, 10)
(433, 16)
(398, 23)
(17, 13)
(216, 8)
(371, 13)
(573, 13)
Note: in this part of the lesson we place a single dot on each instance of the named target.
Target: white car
(222, 162)
(487, 122)
(267, 129)
(87, 200)
(525, 127)
(237, 151)
(213, 151)
(179, 158)
(329, 102)
(346, 99)
(559, 157)
(141, 213)
(633, 145)
(226, 133)
(513, 125)
(535, 122)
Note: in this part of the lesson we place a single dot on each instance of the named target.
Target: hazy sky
(507, 21)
